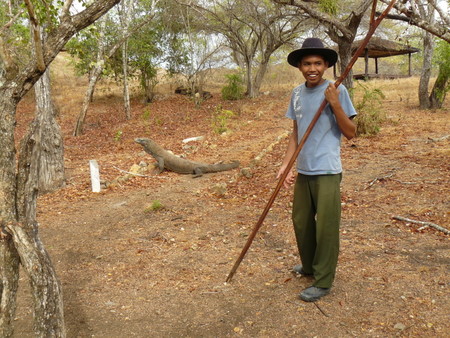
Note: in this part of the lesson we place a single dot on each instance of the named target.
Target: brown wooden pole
(372, 28)
(366, 63)
(409, 64)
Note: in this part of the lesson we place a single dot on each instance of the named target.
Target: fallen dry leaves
(127, 271)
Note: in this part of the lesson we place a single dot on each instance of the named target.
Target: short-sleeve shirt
(321, 153)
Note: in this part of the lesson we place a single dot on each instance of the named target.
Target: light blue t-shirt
(321, 153)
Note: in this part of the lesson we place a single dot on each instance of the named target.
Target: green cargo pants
(316, 215)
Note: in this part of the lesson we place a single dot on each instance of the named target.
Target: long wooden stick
(374, 24)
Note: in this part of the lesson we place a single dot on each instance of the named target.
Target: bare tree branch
(411, 11)
(444, 16)
(315, 13)
(66, 8)
(396, 17)
(425, 224)
(10, 22)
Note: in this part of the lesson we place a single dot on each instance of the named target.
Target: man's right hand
(290, 178)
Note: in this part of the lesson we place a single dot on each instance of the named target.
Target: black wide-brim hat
(312, 46)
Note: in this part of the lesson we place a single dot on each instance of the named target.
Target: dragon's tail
(223, 166)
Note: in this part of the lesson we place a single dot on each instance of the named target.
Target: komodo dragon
(171, 162)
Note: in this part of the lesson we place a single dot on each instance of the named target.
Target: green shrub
(220, 119)
(146, 114)
(370, 112)
(118, 136)
(442, 83)
(155, 206)
(234, 90)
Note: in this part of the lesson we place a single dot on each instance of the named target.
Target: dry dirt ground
(128, 270)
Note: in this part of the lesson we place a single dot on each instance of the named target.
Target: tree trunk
(52, 158)
(87, 99)
(237, 57)
(426, 12)
(260, 73)
(9, 274)
(345, 57)
(249, 79)
(345, 49)
(439, 90)
(19, 182)
(9, 268)
(46, 290)
(428, 47)
(125, 13)
(148, 83)
(18, 195)
(93, 79)
(126, 92)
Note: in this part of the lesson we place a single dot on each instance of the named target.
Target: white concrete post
(95, 175)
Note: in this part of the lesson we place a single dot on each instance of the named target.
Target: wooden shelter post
(366, 60)
(409, 64)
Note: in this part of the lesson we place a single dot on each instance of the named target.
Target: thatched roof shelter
(379, 48)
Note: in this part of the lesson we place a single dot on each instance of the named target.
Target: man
(316, 208)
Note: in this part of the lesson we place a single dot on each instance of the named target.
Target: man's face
(312, 68)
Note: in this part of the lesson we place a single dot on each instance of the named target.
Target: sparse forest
(149, 254)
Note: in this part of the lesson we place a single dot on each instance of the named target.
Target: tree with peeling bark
(19, 239)
(428, 48)
(341, 24)
(51, 161)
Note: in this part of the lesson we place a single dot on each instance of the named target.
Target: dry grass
(69, 92)
(397, 90)
(279, 78)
